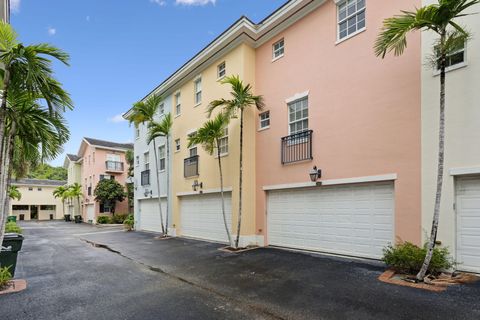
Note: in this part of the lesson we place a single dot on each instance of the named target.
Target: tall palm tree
(26, 71)
(209, 136)
(157, 130)
(441, 19)
(75, 192)
(242, 99)
(144, 112)
(61, 192)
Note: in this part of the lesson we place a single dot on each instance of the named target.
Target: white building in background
(146, 210)
(460, 207)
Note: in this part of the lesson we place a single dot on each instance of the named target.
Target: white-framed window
(177, 145)
(106, 177)
(193, 151)
(137, 161)
(264, 119)
(178, 103)
(278, 49)
(161, 109)
(161, 158)
(454, 59)
(298, 116)
(223, 143)
(197, 84)
(351, 17)
(137, 132)
(146, 160)
(221, 70)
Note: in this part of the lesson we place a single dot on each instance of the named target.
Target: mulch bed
(237, 250)
(435, 284)
(14, 286)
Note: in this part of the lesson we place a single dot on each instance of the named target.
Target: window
(193, 149)
(146, 160)
(137, 132)
(105, 207)
(161, 156)
(107, 177)
(298, 115)
(93, 156)
(47, 207)
(137, 160)
(177, 145)
(198, 90)
(278, 49)
(178, 104)
(39, 189)
(20, 208)
(351, 17)
(221, 70)
(264, 120)
(30, 188)
(455, 58)
(161, 109)
(223, 143)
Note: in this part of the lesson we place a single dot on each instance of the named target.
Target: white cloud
(161, 3)
(51, 31)
(15, 5)
(117, 119)
(195, 2)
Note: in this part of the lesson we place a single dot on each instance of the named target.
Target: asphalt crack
(254, 307)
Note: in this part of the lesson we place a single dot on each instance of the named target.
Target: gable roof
(73, 157)
(108, 144)
(38, 182)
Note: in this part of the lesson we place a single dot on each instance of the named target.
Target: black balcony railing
(297, 147)
(190, 167)
(145, 178)
(114, 166)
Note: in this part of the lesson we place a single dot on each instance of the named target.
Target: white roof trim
(464, 171)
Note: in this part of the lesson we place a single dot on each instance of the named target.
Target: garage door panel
(355, 219)
(149, 215)
(201, 216)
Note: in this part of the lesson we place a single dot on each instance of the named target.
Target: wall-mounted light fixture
(315, 174)
(148, 193)
(196, 185)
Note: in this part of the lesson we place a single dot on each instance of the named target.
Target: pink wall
(364, 111)
(96, 167)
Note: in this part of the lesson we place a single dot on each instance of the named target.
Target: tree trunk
(239, 225)
(441, 152)
(4, 144)
(5, 167)
(158, 185)
(167, 169)
(223, 198)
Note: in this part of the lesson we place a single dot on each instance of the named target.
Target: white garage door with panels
(90, 212)
(201, 216)
(355, 219)
(149, 215)
(468, 224)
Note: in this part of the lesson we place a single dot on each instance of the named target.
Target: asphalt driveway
(84, 272)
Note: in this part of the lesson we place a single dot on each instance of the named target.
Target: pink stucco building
(101, 160)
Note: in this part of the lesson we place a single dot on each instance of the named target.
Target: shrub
(5, 277)
(12, 227)
(103, 219)
(118, 218)
(129, 222)
(408, 258)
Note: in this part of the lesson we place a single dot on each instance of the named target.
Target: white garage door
(468, 224)
(201, 216)
(149, 215)
(352, 220)
(90, 213)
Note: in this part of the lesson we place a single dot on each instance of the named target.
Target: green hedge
(408, 258)
(12, 227)
(103, 219)
(116, 219)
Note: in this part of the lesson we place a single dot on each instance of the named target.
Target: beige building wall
(462, 148)
(37, 195)
(239, 61)
(74, 170)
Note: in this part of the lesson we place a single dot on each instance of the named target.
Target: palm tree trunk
(5, 167)
(222, 194)
(167, 169)
(440, 170)
(239, 225)
(158, 185)
(4, 143)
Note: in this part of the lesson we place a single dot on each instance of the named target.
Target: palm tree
(75, 192)
(62, 193)
(438, 18)
(242, 99)
(157, 130)
(209, 136)
(27, 78)
(144, 112)
(14, 193)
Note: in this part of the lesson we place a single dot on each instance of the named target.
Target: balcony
(145, 178)
(113, 166)
(190, 167)
(297, 147)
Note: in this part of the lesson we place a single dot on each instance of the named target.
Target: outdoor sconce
(147, 193)
(315, 174)
(197, 185)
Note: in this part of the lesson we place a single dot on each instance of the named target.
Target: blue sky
(121, 49)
